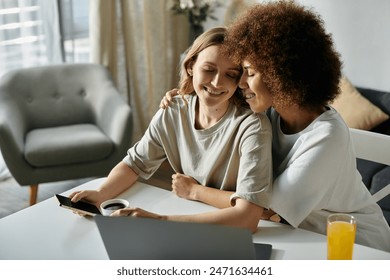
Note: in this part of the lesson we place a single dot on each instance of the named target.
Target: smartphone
(80, 206)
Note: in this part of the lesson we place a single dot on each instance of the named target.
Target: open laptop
(150, 239)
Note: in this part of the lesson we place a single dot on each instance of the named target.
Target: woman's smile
(249, 96)
(213, 92)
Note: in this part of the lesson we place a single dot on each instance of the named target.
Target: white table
(46, 231)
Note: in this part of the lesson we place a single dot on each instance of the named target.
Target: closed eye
(248, 71)
(208, 69)
(234, 75)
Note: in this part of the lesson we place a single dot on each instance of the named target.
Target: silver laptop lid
(147, 239)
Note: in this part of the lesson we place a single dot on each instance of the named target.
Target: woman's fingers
(167, 99)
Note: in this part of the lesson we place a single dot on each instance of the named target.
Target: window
(38, 32)
(75, 29)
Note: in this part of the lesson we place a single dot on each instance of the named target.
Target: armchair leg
(33, 194)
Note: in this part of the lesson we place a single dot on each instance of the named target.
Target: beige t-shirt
(232, 155)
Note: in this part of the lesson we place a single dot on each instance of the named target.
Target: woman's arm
(187, 187)
(143, 157)
(243, 214)
(120, 179)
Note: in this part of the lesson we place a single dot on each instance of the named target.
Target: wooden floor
(14, 197)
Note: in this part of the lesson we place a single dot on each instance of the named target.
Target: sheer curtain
(140, 41)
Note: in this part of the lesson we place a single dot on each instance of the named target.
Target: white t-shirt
(232, 155)
(315, 175)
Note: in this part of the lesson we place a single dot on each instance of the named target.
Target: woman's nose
(243, 83)
(217, 81)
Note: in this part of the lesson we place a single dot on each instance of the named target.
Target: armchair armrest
(113, 116)
(12, 130)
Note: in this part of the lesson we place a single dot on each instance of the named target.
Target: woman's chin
(253, 107)
(256, 108)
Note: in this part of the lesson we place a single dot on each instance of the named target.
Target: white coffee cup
(110, 206)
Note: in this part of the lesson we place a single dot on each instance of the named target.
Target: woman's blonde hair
(211, 37)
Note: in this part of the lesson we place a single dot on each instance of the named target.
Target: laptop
(128, 238)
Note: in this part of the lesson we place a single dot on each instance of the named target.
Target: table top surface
(46, 231)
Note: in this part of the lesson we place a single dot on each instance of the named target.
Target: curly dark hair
(288, 45)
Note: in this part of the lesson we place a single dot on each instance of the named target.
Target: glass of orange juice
(341, 232)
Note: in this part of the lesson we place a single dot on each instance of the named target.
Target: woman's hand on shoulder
(167, 99)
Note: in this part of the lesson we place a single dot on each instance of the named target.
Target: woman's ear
(189, 68)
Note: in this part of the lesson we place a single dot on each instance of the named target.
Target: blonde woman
(216, 145)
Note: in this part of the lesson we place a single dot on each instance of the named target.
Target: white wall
(361, 31)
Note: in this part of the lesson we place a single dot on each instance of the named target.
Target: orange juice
(341, 237)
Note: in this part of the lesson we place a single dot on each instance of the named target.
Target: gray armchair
(62, 122)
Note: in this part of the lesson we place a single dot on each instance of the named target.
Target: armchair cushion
(66, 145)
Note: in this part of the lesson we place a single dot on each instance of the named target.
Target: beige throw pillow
(356, 110)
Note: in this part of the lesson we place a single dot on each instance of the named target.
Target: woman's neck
(295, 119)
(206, 116)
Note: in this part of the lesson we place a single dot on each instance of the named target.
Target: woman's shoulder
(331, 121)
(174, 111)
(331, 127)
(179, 103)
(259, 121)
(183, 100)
(263, 120)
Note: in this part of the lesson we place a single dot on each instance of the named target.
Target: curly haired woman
(292, 71)
(290, 65)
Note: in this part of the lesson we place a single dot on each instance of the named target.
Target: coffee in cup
(110, 206)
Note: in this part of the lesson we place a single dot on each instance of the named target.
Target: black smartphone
(80, 206)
